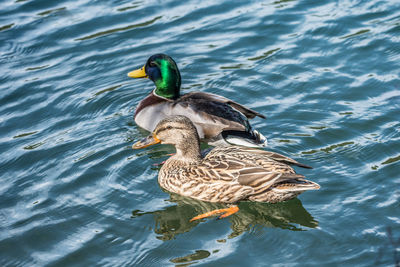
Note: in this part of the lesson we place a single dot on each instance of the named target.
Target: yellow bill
(139, 73)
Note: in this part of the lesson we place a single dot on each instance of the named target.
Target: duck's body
(226, 174)
(214, 117)
(233, 173)
(217, 119)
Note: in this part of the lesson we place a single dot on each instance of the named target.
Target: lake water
(74, 193)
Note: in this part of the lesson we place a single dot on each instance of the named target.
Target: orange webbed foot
(226, 212)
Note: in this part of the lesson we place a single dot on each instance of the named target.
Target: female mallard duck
(227, 174)
(216, 118)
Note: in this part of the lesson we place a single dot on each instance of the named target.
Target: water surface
(73, 192)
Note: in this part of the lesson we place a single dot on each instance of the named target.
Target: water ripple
(125, 28)
(325, 74)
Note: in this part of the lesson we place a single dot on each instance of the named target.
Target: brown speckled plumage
(226, 174)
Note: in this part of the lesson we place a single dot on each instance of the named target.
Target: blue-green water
(73, 192)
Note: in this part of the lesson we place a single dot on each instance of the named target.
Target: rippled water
(73, 192)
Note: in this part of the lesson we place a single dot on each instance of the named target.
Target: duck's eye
(151, 64)
(169, 127)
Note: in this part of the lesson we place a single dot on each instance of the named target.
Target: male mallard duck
(227, 174)
(215, 117)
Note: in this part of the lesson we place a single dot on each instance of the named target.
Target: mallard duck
(227, 174)
(218, 120)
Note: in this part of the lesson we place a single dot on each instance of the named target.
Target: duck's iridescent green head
(163, 71)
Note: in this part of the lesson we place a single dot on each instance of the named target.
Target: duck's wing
(224, 165)
(249, 113)
(230, 169)
(259, 173)
(231, 174)
(210, 117)
(260, 157)
(230, 180)
(220, 119)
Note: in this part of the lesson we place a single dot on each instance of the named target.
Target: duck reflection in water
(174, 220)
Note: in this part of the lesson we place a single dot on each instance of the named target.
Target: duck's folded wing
(260, 179)
(263, 182)
(249, 113)
(259, 154)
(237, 176)
(231, 180)
(226, 169)
(281, 158)
(209, 117)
